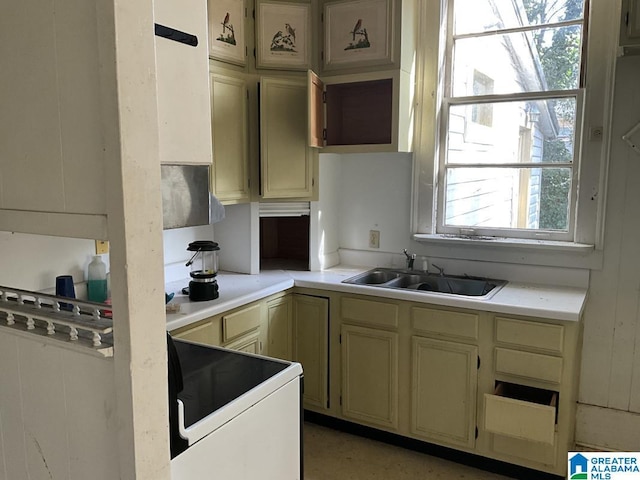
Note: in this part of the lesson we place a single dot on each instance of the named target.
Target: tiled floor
(333, 455)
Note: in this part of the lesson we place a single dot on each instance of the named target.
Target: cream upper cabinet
(286, 161)
(345, 30)
(311, 336)
(370, 376)
(229, 110)
(363, 101)
(444, 388)
(630, 23)
(182, 71)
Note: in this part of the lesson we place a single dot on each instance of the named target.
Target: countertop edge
(182, 319)
(549, 302)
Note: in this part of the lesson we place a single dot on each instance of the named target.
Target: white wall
(238, 238)
(375, 194)
(610, 375)
(324, 225)
(32, 262)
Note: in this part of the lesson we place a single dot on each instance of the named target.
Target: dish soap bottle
(97, 280)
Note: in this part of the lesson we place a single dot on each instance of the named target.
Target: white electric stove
(240, 415)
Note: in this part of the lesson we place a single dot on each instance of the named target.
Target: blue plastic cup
(65, 288)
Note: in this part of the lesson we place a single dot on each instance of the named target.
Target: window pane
(512, 132)
(473, 16)
(540, 60)
(524, 198)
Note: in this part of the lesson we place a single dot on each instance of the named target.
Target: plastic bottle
(97, 280)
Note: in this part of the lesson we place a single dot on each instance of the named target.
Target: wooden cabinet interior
(369, 112)
(359, 113)
(527, 394)
(284, 241)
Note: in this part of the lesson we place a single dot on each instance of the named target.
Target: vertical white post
(134, 208)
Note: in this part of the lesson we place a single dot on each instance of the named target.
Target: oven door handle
(181, 429)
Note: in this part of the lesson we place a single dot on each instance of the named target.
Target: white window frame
(510, 232)
(588, 218)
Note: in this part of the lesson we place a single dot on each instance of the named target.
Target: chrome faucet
(410, 259)
(440, 269)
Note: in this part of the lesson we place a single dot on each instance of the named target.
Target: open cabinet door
(316, 110)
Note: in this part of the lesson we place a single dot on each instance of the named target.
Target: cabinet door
(311, 333)
(370, 375)
(630, 28)
(285, 159)
(444, 386)
(230, 172)
(279, 333)
(207, 332)
(182, 72)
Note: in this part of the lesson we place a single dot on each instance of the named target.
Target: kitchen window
(507, 151)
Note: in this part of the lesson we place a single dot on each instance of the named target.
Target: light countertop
(552, 302)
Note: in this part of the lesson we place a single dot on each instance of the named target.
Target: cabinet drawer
(207, 332)
(518, 418)
(248, 344)
(543, 336)
(240, 322)
(443, 322)
(369, 312)
(540, 453)
(529, 365)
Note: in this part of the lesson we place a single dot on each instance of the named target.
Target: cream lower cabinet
(229, 112)
(286, 161)
(502, 387)
(244, 329)
(530, 414)
(311, 344)
(280, 328)
(491, 385)
(370, 375)
(444, 389)
(206, 331)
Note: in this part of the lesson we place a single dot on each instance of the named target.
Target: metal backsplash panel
(185, 195)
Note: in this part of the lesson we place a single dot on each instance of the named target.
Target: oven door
(235, 412)
(263, 441)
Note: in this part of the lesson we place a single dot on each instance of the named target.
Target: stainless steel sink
(427, 282)
(374, 277)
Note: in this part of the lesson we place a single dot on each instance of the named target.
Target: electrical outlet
(374, 239)
(596, 134)
(102, 247)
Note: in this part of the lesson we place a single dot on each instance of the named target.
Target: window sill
(503, 242)
(512, 250)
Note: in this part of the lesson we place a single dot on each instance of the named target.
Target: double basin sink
(478, 287)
